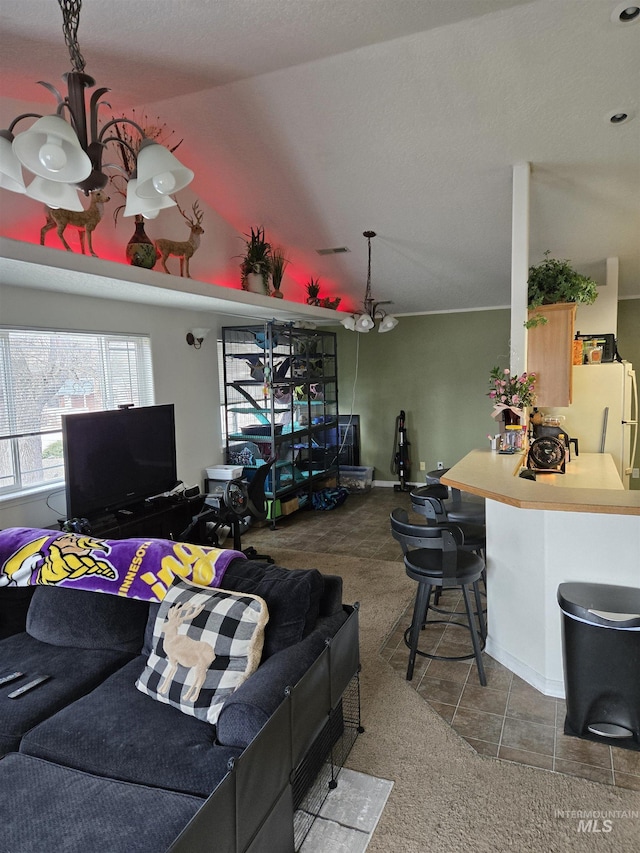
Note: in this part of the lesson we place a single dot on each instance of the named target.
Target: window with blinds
(45, 374)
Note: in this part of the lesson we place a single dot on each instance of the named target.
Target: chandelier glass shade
(66, 148)
(51, 149)
(54, 194)
(147, 207)
(372, 312)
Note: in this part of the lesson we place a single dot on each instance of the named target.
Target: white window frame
(121, 373)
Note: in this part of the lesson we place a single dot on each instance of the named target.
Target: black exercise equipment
(237, 500)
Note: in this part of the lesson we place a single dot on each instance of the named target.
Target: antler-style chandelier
(64, 151)
(372, 312)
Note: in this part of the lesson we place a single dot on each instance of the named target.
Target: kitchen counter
(591, 484)
(582, 526)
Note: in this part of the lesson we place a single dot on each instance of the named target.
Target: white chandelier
(64, 151)
(372, 313)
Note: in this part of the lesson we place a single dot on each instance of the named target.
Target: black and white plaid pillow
(205, 644)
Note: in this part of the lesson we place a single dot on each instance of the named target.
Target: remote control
(29, 686)
(10, 676)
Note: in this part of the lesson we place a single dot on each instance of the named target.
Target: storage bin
(224, 472)
(356, 478)
(290, 505)
(274, 509)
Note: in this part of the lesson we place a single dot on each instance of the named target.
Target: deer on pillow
(184, 651)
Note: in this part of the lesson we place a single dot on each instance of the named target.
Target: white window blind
(45, 374)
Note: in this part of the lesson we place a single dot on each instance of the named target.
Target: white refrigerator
(604, 413)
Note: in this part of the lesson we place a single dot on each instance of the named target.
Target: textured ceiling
(322, 118)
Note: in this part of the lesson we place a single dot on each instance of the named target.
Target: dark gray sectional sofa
(90, 763)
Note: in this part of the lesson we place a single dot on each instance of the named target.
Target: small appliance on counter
(551, 426)
(547, 455)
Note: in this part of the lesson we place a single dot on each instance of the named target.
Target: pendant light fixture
(372, 313)
(64, 151)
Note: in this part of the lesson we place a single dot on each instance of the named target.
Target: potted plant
(313, 289)
(256, 263)
(554, 281)
(278, 265)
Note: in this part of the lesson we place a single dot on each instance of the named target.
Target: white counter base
(529, 553)
(582, 526)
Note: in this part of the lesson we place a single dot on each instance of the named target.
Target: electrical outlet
(423, 466)
(440, 466)
(635, 473)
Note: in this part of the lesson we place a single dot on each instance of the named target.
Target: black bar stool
(429, 501)
(434, 559)
(458, 508)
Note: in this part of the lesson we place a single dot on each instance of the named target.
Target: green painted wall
(629, 349)
(629, 331)
(436, 368)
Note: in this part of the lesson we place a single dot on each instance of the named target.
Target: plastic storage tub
(601, 651)
(355, 478)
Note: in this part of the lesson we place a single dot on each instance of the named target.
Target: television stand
(162, 519)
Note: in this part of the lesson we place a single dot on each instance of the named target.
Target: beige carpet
(446, 797)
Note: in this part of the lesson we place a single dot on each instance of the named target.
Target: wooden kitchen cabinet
(549, 354)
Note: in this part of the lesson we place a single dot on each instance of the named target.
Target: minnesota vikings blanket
(134, 568)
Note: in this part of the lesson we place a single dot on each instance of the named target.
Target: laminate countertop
(590, 484)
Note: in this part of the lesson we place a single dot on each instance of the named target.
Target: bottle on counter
(578, 350)
(511, 440)
(595, 352)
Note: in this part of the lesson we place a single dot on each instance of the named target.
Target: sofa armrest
(247, 710)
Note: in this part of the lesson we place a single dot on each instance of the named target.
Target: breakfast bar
(579, 526)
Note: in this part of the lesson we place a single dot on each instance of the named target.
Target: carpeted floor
(446, 797)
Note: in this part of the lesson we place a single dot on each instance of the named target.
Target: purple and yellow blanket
(134, 568)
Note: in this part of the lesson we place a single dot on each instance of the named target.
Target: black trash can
(601, 654)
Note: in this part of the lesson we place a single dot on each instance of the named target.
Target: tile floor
(349, 815)
(508, 719)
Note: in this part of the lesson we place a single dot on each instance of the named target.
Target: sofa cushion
(87, 620)
(154, 606)
(73, 672)
(14, 603)
(105, 815)
(292, 597)
(205, 644)
(117, 731)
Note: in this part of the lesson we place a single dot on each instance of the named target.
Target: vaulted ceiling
(319, 119)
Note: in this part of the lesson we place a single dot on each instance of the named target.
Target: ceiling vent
(338, 250)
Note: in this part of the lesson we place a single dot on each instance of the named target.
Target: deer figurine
(85, 221)
(183, 250)
(180, 649)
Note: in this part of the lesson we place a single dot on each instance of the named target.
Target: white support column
(519, 265)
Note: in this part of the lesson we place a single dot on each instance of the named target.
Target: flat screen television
(117, 458)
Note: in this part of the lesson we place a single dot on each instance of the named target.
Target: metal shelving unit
(281, 402)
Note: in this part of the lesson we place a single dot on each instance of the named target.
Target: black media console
(161, 519)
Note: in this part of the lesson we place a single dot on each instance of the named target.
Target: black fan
(547, 454)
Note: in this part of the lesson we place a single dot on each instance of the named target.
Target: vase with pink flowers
(511, 394)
